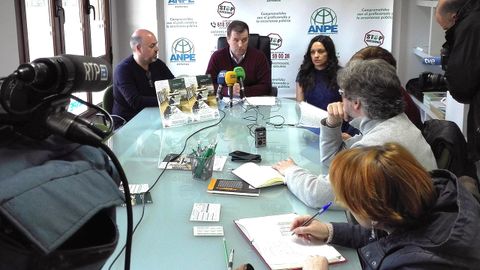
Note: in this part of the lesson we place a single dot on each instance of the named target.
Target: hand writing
(315, 230)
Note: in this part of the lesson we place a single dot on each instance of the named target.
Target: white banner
(193, 27)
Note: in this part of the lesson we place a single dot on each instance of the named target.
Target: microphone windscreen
(230, 78)
(221, 77)
(240, 72)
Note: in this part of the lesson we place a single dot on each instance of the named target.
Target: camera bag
(57, 204)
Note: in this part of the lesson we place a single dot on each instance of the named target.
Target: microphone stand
(230, 93)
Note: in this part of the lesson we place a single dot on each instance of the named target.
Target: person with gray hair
(372, 103)
(134, 77)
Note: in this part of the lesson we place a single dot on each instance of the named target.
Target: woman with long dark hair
(317, 77)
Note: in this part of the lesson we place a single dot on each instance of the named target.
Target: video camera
(35, 97)
(432, 81)
(44, 228)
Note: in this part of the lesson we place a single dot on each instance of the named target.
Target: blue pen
(323, 209)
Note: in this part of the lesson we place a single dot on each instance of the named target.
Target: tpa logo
(374, 38)
(275, 41)
(181, 2)
(183, 50)
(226, 9)
(323, 21)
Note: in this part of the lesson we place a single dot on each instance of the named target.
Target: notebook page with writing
(310, 116)
(273, 240)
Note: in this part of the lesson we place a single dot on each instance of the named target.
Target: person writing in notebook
(134, 77)
(372, 101)
(429, 220)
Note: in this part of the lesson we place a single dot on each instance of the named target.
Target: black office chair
(256, 41)
(107, 104)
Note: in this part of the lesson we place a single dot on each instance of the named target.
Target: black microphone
(74, 128)
(220, 82)
(66, 74)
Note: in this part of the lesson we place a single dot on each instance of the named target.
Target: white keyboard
(208, 230)
(209, 212)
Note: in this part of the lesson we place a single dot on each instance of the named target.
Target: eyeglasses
(149, 77)
(341, 92)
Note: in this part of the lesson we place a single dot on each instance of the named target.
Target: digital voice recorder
(260, 137)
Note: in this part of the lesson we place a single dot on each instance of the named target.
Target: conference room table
(164, 239)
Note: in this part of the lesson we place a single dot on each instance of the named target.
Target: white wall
(410, 25)
(8, 31)
(411, 29)
(128, 15)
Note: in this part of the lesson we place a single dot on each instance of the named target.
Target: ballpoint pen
(230, 260)
(323, 209)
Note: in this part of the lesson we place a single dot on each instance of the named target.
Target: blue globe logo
(183, 46)
(323, 16)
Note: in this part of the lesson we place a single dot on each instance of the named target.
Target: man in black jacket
(461, 21)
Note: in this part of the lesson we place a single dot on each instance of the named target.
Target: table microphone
(220, 83)
(240, 77)
(230, 80)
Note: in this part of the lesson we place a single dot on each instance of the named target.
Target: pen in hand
(323, 209)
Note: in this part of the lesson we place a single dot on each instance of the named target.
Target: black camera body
(432, 81)
(260, 137)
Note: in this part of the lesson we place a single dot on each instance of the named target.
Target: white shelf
(436, 35)
(423, 109)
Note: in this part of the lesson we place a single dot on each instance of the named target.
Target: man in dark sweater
(258, 75)
(134, 77)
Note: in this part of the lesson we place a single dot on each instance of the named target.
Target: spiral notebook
(274, 242)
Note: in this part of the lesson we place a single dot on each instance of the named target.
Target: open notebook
(273, 240)
(259, 176)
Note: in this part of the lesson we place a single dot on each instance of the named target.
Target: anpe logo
(275, 41)
(226, 9)
(323, 21)
(181, 2)
(374, 38)
(183, 50)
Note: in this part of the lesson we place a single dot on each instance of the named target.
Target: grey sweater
(315, 191)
